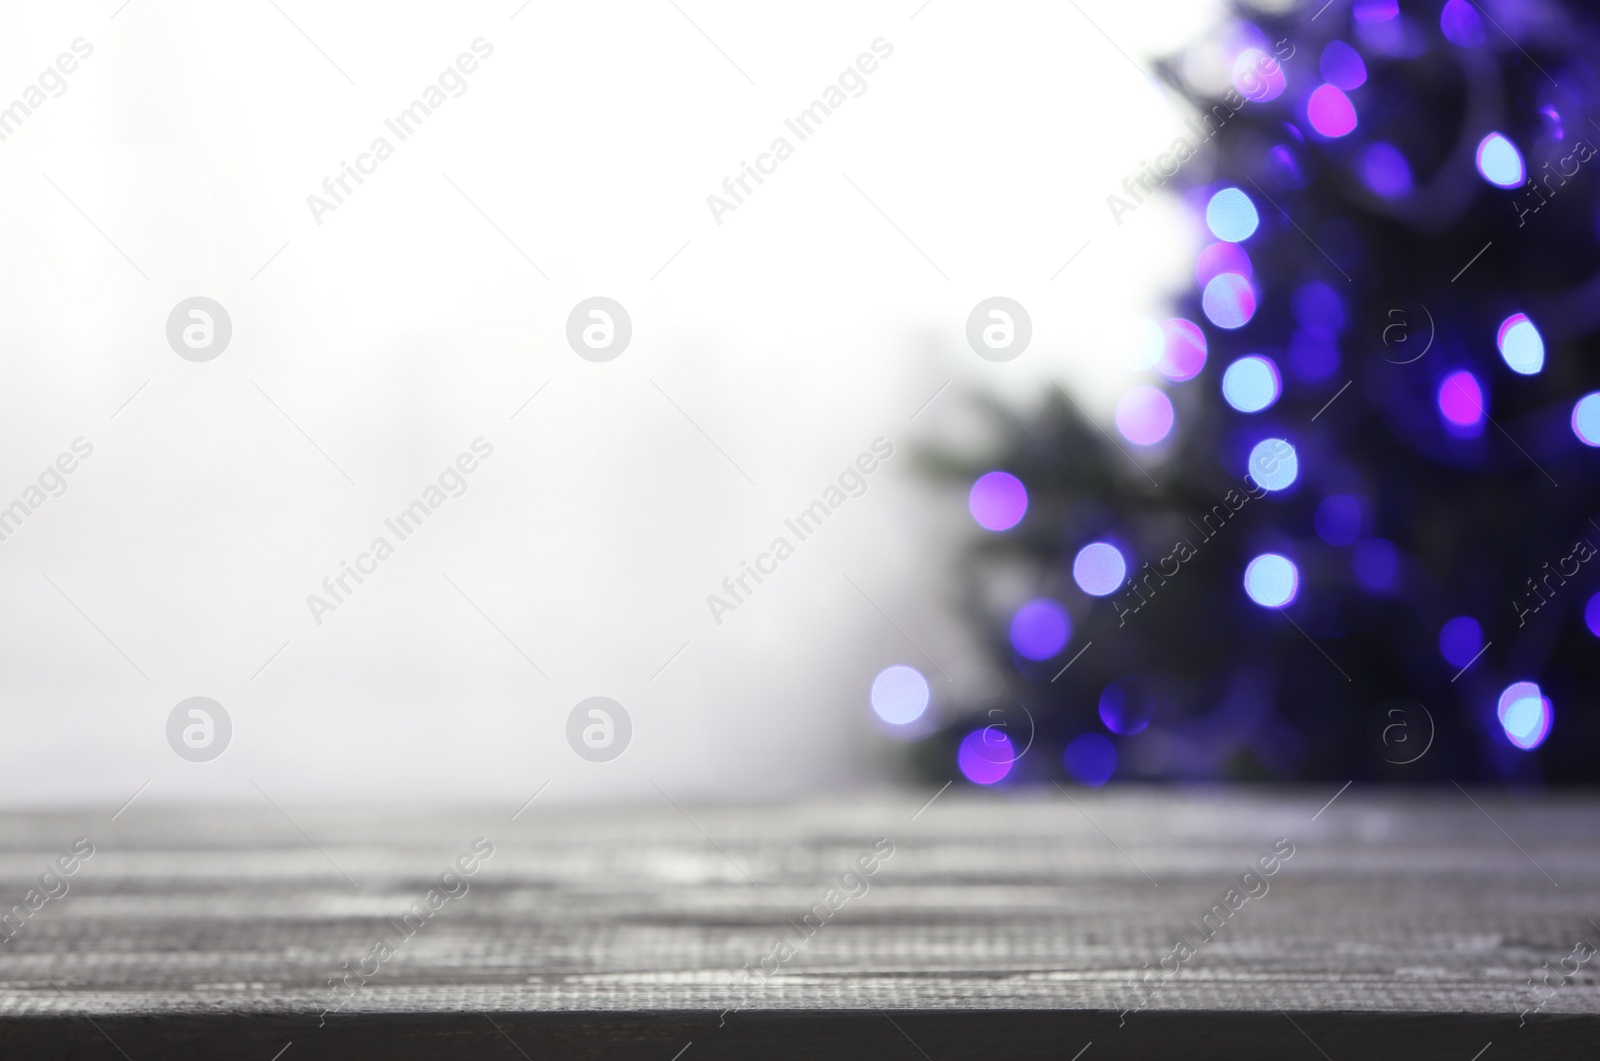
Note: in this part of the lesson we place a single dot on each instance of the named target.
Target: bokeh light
(1342, 66)
(1338, 519)
(1313, 357)
(1184, 354)
(1040, 629)
(1251, 384)
(1377, 565)
(1525, 715)
(1222, 257)
(1386, 170)
(1553, 125)
(1229, 301)
(1284, 168)
(1124, 711)
(1461, 399)
(1142, 343)
(1099, 569)
(1257, 76)
(1318, 308)
(1090, 759)
(1231, 216)
(998, 501)
(1330, 112)
(1460, 640)
(1391, 37)
(1520, 344)
(1591, 615)
(1460, 24)
(1514, 692)
(1376, 10)
(899, 694)
(1586, 419)
(1272, 580)
(1500, 162)
(1144, 415)
(985, 756)
(1274, 464)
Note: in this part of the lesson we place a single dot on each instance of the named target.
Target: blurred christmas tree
(1362, 463)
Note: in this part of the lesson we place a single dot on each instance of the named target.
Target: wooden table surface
(1391, 923)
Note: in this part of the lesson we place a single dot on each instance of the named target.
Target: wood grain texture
(1401, 920)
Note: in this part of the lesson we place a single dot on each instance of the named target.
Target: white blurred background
(178, 162)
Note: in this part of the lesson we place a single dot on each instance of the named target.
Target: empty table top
(1217, 922)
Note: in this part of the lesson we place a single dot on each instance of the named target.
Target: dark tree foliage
(1484, 524)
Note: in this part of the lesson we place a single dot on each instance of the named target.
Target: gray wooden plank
(1406, 904)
